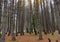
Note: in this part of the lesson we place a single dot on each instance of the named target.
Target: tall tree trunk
(57, 10)
(22, 17)
(37, 21)
(12, 20)
(4, 21)
(18, 14)
(30, 16)
(0, 15)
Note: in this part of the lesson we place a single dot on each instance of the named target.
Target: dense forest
(36, 17)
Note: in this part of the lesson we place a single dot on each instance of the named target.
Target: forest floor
(34, 38)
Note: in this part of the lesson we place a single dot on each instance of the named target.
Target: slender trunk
(12, 20)
(0, 16)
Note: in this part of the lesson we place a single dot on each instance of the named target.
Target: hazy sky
(26, 2)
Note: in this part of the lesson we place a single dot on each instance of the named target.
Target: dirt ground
(34, 38)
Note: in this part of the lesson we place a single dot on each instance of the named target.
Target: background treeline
(19, 17)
